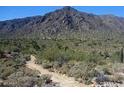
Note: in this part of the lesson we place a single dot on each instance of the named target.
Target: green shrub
(6, 72)
(84, 70)
(50, 54)
(35, 45)
(116, 56)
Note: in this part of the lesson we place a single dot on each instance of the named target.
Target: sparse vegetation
(80, 45)
(64, 57)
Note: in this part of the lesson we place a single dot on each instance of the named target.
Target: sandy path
(63, 80)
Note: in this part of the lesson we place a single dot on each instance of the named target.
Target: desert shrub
(50, 54)
(55, 54)
(79, 56)
(107, 71)
(62, 67)
(20, 61)
(106, 54)
(118, 67)
(116, 78)
(46, 78)
(35, 45)
(27, 78)
(17, 49)
(27, 57)
(57, 64)
(63, 57)
(6, 72)
(10, 65)
(94, 57)
(84, 70)
(115, 56)
(45, 81)
(110, 72)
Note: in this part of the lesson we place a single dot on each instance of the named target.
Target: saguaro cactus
(121, 55)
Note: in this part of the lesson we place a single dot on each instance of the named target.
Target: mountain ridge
(61, 22)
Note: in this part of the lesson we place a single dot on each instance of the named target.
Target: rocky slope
(65, 22)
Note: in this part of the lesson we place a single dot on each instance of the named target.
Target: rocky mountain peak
(68, 8)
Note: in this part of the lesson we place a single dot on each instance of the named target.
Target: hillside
(63, 23)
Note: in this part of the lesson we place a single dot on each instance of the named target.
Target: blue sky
(12, 12)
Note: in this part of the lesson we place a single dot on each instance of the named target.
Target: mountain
(64, 23)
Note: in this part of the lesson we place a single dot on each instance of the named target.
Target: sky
(13, 12)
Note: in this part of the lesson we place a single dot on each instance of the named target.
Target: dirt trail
(63, 80)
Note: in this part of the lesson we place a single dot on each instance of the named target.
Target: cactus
(121, 55)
